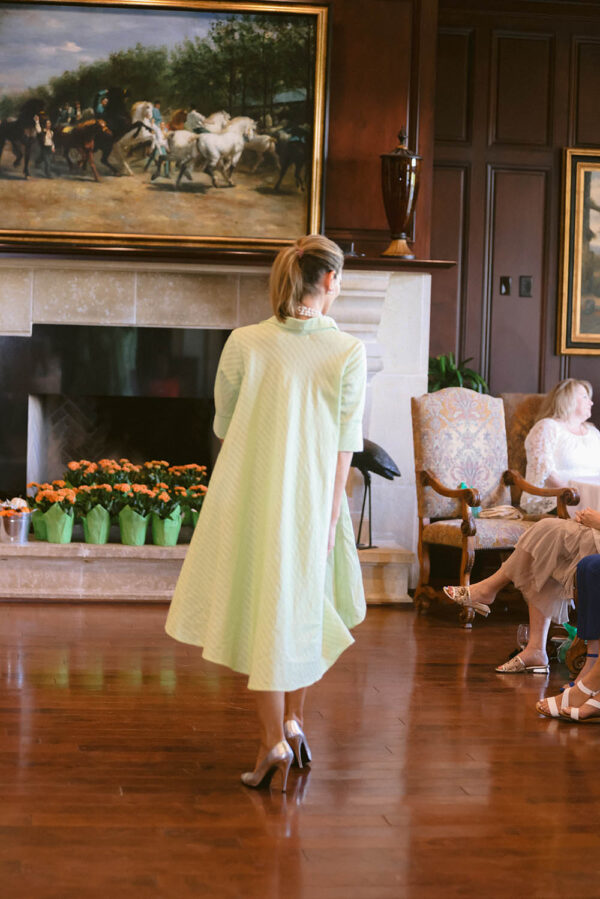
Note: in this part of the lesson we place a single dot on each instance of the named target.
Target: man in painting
(46, 138)
(100, 103)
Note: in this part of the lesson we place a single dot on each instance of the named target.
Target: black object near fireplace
(92, 391)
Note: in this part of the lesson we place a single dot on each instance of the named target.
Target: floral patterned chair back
(520, 412)
(460, 437)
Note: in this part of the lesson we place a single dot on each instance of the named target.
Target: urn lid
(401, 150)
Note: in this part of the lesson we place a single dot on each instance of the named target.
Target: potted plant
(444, 371)
(134, 503)
(195, 498)
(15, 518)
(167, 515)
(188, 476)
(94, 505)
(57, 507)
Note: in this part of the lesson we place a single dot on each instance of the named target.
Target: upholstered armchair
(520, 413)
(460, 437)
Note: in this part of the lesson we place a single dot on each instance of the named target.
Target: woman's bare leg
(294, 705)
(535, 651)
(269, 706)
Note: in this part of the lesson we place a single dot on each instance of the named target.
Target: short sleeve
(227, 384)
(540, 446)
(352, 401)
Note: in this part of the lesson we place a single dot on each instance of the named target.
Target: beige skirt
(544, 562)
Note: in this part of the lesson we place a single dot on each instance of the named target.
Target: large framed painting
(161, 123)
(579, 317)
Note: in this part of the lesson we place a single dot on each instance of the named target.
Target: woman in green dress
(271, 583)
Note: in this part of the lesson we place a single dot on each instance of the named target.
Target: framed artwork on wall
(579, 307)
(173, 124)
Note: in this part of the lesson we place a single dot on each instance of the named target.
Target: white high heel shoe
(279, 758)
(297, 740)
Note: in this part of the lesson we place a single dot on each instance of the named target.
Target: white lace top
(552, 447)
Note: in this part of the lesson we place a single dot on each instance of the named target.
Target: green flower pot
(39, 525)
(133, 527)
(165, 531)
(59, 524)
(195, 516)
(96, 525)
(187, 517)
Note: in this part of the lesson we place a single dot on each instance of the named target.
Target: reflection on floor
(432, 776)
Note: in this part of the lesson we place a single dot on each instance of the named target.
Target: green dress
(258, 590)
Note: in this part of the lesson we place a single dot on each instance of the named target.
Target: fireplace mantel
(384, 303)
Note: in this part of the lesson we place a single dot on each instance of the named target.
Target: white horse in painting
(219, 152)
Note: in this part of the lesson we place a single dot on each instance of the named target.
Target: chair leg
(423, 593)
(467, 559)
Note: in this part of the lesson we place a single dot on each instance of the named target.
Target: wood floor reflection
(120, 755)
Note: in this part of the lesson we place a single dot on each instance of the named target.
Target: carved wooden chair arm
(565, 496)
(468, 497)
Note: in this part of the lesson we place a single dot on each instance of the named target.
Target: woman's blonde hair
(298, 269)
(560, 401)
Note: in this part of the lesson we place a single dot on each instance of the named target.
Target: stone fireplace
(387, 307)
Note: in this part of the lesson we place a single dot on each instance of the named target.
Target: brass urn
(400, 172)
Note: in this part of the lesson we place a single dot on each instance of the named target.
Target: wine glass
(522, 635)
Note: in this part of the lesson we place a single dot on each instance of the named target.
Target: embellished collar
(304, 325)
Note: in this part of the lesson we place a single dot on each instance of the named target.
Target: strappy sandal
(462, 597)
(516, 665)
(573, 714)
(554, 710)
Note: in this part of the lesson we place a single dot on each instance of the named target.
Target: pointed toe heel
(279, 758)
(296, 738)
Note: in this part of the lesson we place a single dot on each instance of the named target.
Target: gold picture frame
(203, 188)
(579, 306)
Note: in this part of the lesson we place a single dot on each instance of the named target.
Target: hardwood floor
(120, 755)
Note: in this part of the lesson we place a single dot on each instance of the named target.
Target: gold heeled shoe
(295, 737)
(279, 758)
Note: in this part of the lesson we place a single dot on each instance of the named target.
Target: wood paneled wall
(516, 82)
(382, 77)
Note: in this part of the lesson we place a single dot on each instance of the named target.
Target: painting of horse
(181, 126)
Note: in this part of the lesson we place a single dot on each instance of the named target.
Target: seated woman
(578, 703)
(562, 443)
(542, 567)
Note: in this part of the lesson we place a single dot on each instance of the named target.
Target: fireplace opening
(61, 428)
(74, 391)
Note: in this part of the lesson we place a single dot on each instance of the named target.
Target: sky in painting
(39, 42)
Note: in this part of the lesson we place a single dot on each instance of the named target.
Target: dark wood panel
(586, 88)
(448, 239)
(368, 104)
(453, 92)
(521, 89)
(517, 245)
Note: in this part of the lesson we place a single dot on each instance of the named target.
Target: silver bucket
(14, 528)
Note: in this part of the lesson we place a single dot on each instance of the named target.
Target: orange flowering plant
(155, 472)
(195, 496)
(187, 475)
(91, 495)
(79, 473)
(138, 497)
(167, 500)
(50, 494)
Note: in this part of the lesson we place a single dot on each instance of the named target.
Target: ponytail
(298, 269)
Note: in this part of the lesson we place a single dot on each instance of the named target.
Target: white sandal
(572, 714)
(462, 597)
(554, 710)
(516, 665)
